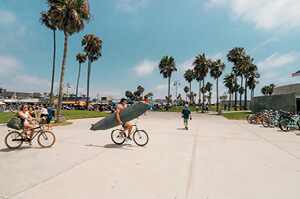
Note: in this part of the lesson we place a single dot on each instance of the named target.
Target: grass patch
(236, 115)
(4, 117)
(192, 108)
(62, 124)
(82, 114)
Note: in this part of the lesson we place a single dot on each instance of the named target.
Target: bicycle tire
(271, 123)
(265, 122)
(284, 127)
(10, 138)
(44, 136)
(249, 118)
(116, 137)
(140, 137)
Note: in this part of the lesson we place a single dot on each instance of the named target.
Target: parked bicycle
(140, 137)
(14, 140)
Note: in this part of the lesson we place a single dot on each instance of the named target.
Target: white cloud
(144, 68)
(161, 86)
(7, 18)
(266, 15)
(9, 65)
(263, 44)
(218, 55)
(131, 6)
(270, 75)
(25, 83)
(276, 60)
(214, 3)
(187, 64)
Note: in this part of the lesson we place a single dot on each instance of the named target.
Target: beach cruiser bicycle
(140, 137)
(14, 140)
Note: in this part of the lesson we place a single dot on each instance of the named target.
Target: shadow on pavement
(180, 128)
(113, 146)
(18, 149)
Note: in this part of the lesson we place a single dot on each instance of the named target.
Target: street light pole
(175, 84)
(68, 86)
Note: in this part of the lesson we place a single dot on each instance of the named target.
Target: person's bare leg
(31, 136)
(129, 129)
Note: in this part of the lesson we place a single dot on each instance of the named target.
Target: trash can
(220, 111)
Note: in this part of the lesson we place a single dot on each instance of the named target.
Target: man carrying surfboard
(127, 125)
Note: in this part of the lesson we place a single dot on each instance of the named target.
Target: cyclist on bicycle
(127, 125)
(25, 119)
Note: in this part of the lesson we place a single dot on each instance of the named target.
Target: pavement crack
(191, 169)
(270, 142)
(60, 173)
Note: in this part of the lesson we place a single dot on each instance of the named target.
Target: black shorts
(123, 125)
(48, 120)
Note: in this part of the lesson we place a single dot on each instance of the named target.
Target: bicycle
(14, 140)
(140, 137)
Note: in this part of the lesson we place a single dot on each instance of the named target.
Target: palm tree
(208, 88)
(46, 20)
(166, 68)
(216, 71)
(189, 76)
(93, 47)
(248, 68)
(186, 90)
(252, 82)
(129, 95)
(228, 81)
(69, 17)
(201, 66)
(235, 56)
(81, 59)
(198, 78)
(140, 89)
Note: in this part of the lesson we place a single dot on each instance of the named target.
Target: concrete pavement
(216, 158)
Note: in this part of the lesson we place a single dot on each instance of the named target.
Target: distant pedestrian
(43, 115)
(197, 108)
(49, 118)
(186, 115)
(225, 105)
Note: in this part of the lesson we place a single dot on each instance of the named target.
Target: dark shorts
(123, 125)
(48, 120)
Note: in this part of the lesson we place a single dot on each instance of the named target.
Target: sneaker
(128, 139)
(186, 128)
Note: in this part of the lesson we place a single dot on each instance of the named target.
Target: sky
(137, 34)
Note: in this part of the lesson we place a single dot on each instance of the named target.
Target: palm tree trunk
(229, 104)
(88, 84)
(199, 92)
(61, 84)
(77, 83)
(203, 96)
(168, 99)
(246, 85)
(217, 95)
(190, 93)
(53, 70)
(235, 99)
(241, 93)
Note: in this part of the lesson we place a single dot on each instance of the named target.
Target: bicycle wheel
(46, 139)
(284, 125)
(272, 123)
(265, 122)
(140, 137)
(116, 137)
(249, 118)
(13, 140)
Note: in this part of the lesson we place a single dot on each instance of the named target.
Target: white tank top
(25, 115)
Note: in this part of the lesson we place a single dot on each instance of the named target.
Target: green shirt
(186, 113)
